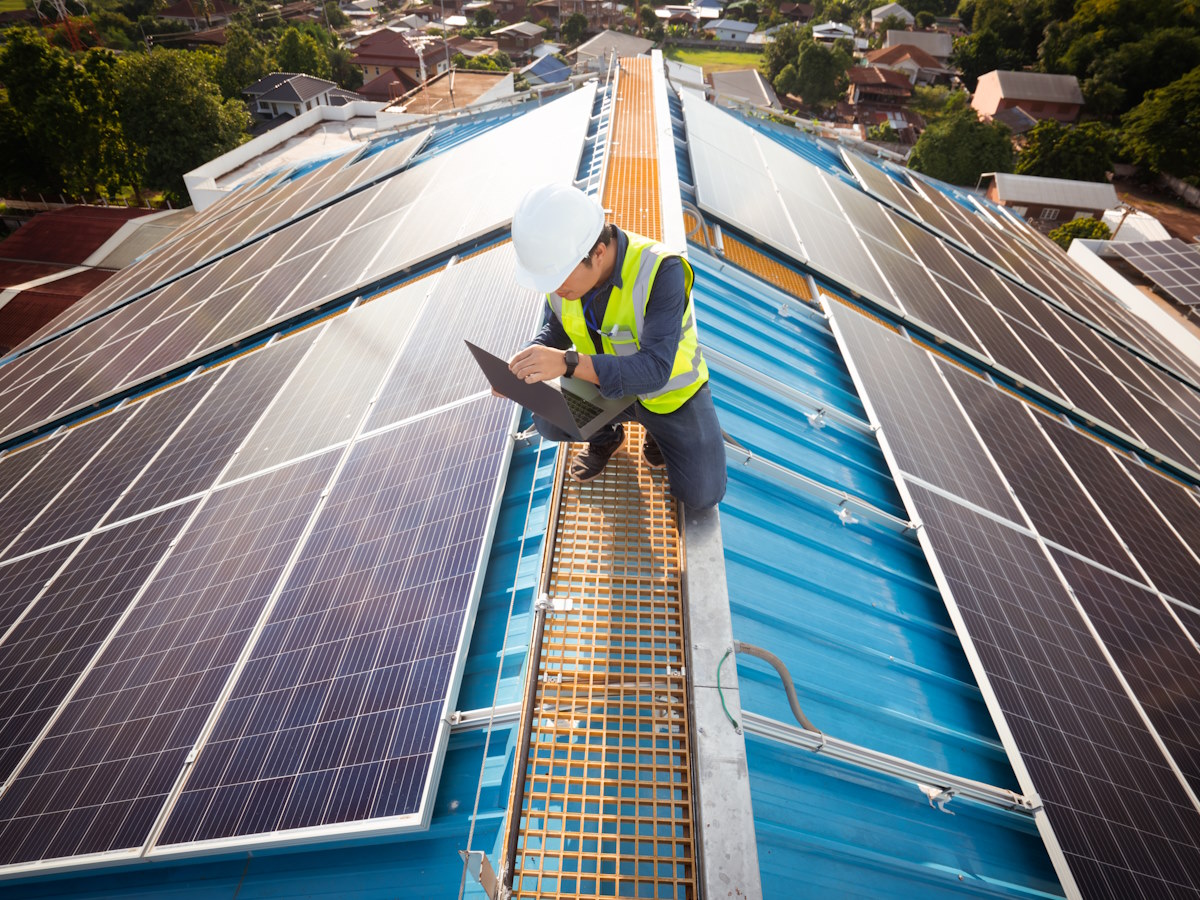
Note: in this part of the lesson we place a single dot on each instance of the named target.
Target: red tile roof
(890, 56)
(31, 310)
(870, 76)
(69, 235)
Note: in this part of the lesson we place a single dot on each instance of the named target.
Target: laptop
(575, 406)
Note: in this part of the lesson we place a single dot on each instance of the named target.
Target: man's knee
(700, 494)
(549, 430)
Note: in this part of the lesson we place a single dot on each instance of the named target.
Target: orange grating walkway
(607, 809)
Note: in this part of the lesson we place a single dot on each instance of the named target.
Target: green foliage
(744, 10)
(883, 133)
(243, 61)
(335, 16)
(495, 62)
(484, 18)
(818, 75)
(1086, 228)
(891, 23)
(925, 19)
(1163, 131)
(575, 28)
(646, 16)
(174, 117)
(61, 132)
(115, 30)
(1080, 152)
(981, 52)
(958, 148)
(931, 102)
(782, 51)
(298, 52)
(343, 70)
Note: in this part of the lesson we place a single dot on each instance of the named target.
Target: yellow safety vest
(625, 315)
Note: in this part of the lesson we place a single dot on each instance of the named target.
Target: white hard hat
(554, 228)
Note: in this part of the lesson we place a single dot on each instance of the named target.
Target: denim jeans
(691, 441)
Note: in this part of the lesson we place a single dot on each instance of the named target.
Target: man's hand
(538, 363)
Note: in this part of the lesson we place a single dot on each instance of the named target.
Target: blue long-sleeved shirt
(650, 368)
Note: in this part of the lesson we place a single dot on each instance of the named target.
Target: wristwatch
(571, 358)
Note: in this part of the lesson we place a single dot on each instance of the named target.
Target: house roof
(1037, 86)
(892, 9)
(734, 25)
(380, 87)
(188, 9)
(745, 84)
(873, 76)
(935, 43)
(890, 56)
(297, 89)
(827, 29)
(389, 48)
(1053, 191)
(607, 43)
(528, 29)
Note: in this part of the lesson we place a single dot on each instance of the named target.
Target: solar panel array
(233, 610)
(980, 284)
(270, 259)
(1172, 265)
(1068, 563)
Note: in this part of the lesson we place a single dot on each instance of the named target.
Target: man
(619, 314)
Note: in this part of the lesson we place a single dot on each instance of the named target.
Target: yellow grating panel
(746, 257)
(607, 809)
(631, 182)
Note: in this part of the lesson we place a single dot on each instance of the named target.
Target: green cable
(721, 693)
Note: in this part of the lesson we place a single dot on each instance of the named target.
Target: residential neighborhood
(575, 449)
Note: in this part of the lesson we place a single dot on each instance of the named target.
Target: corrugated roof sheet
(1055, 191)
(1038, 86)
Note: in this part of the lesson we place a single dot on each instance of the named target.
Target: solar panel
(55, 641)
(327, 397)
(1119, 813)
(94, 488)
(138, 711)
(1166, 559)
(23, 579)
(1151, 651)
(476, 300)
(340, 711)
(910, 402)
(1172, 265)
(193, 457)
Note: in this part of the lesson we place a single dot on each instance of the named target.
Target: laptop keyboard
(581, 410)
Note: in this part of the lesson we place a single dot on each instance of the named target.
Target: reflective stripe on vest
(624, 319)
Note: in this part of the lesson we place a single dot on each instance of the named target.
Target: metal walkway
(607, 802)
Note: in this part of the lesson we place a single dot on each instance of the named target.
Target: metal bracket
(816, 419)
(846, 517)
(480, 868)
(937, 796)
(519, 436)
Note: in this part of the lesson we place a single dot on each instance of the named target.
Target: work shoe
(590, 462)
(651, 453)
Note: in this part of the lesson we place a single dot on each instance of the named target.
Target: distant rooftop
(451, 90)
(1053, 191)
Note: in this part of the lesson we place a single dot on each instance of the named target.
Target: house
(290, 94)
(743, 86)
(520, 38)
(547, 70)
(1047, 203)
(800, 13)
(917, 64)
(596, 52)
(766, 35)
(877, 96)
(936, 44)
(890, 11)
(199, 14)
(829, 32)
(409, 57)
(510, 10)
(951, 25)
(677, 15)
(472, 47)
(730, 30)
(1042, 96)
(600, 14)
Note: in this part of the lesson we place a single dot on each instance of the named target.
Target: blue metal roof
(853, 611)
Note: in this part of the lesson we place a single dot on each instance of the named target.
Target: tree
(782, 51)
(243, 61)
(980, 53)
(821, 73)
(484, 18)
(931, 102)
(1087, 228)
(174, 117)
(745, 10)
(61, 119)
(334, 15)
(925, 19)
(343, 70)
(575, 28)
(301, 53)
(1163, 131)
(646, 17)
(959, 148)
(1080, 152)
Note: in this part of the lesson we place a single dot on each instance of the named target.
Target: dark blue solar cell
(140, 708)
(56, 640)
(22, 580)
(344, 694)
(194, 456)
